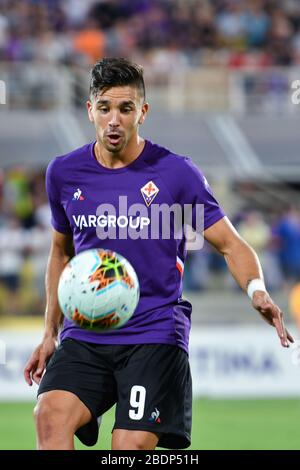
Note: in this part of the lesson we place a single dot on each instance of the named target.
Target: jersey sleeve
(198, 194)
(59, 218)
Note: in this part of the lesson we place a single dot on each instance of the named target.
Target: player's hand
(36, 365)
(272, 314)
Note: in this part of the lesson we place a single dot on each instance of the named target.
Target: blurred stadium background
(220, 76)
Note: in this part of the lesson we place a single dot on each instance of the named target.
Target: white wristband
(255, 284)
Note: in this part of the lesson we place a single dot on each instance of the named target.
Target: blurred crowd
(165, 35)
(24, 241)
(274, 236)
(25, 236)
(234, 33)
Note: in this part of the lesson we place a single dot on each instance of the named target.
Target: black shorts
(150, 383)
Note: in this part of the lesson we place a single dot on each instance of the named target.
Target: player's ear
(89, 107)
(145, 108)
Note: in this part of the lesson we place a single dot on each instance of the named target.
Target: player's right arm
(60, 253)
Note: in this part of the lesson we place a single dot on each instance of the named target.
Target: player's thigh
(79, 368)
(63, 408)
(155, 393)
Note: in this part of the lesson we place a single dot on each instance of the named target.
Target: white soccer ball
(98, 290)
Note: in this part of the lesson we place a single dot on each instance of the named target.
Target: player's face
(117, 113)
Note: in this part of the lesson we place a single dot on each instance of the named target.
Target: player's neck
(118, 160)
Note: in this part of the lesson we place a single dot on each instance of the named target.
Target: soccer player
(143, 367)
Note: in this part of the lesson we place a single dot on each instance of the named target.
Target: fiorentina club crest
(149, 191)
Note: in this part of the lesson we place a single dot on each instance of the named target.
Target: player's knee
(135, 441)
(141, 444)
(49, 417)
(126, 444)
(44, 422)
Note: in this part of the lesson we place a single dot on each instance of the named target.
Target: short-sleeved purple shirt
(77, 184)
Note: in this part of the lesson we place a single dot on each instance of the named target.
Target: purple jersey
(77, 184)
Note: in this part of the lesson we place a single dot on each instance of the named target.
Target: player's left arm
(245, 266)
